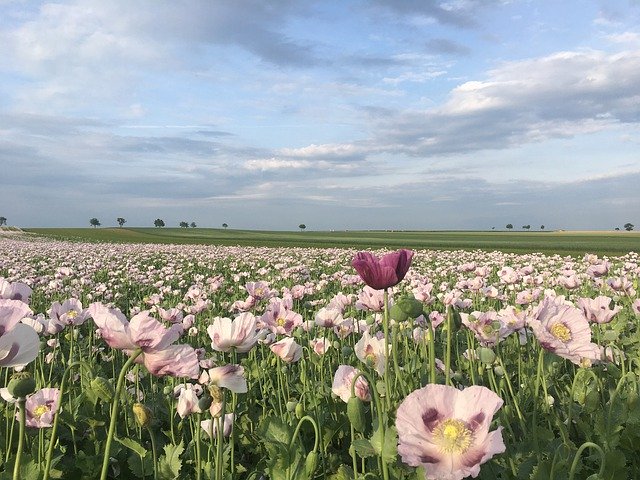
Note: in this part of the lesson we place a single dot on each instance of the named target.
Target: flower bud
(21, 384)
(347, 350)
(299, 411)
(311, 463)
(291, 405)
(141, 414)
(397, 313)
(355, 413)
(205, 402)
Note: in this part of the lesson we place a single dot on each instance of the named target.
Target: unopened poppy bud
(311, 463)
(347, 350)
(141, 414)
(103, 389)
(21, 384)
(355, 413)
(216, 393)
(299, 411)
(205, 402)
(291, 405)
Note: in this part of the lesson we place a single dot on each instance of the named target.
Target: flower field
(181, 361)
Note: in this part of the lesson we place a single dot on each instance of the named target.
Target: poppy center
(453, 436)
(39, 411)
(561, 332)
(280, 322)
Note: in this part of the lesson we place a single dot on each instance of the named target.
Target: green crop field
(564, 243)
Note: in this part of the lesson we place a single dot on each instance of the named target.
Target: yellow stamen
(453, 436)
(561, 332)
(280, 322)
(40, 410)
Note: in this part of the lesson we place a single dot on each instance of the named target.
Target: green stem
(574, 465)
(385, 325)
(447, 366)
(54, 428)
(198, 455)
(114, 413)
(432, 353)
(23, 420)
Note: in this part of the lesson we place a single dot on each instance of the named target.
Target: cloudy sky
(404, 114)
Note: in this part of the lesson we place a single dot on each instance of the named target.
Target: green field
(564, 243)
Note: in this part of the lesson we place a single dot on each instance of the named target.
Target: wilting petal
(149, 334)
(175, 360)
(229, 376)
(113, 325)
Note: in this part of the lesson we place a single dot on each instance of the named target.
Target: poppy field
(133, 361)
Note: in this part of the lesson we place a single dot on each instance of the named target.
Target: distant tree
(94, 222)
(184, 224)
(526, 227)
(121, 221)
(224, 225)
(541, 227)
(493, 228)
(509, 226)
(302, 226)
(617, 229)
(628, 227)
(158, 222)
(3, 221)
(193, 225)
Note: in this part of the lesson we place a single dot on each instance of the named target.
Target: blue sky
(416, 114)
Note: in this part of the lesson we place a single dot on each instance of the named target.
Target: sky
(359, 114)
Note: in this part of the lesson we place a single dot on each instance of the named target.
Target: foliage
(94, 222)
(158, 222)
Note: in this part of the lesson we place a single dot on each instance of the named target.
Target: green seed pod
(486, 355)
(291, 405)
(410, 306)
(205, 402)
(167, 390)
(355, 413)
(311, 463)
(498, 370)
(380, 388)
(21, 384)
(347, 350)
(397, 313)
(103, 389)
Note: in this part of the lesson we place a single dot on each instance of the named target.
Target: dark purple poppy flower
(385, 272)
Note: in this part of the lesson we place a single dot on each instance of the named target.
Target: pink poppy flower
(342, 381)
(287, 349)
(385, 272)
(320, 345)
(563, 330)
(19, 343)
(160, 356)
(239, 333)
(188, 402)
(597, 310)
(279, 317)
(70, 312)
(328, 317)
(486, 327)
(370, 350)
(446, 430)
(370, 299)
(41, 407)
(211, 426)
(15, 291)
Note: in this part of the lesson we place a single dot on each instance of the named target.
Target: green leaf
(140, 467)
(169, 464)
(390, 447)
(363, 448)
(132, 445)
(344, 473)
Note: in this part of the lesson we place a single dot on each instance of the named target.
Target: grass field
(564, 243)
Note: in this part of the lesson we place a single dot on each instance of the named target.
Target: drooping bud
(355, 413)
(142, 414)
